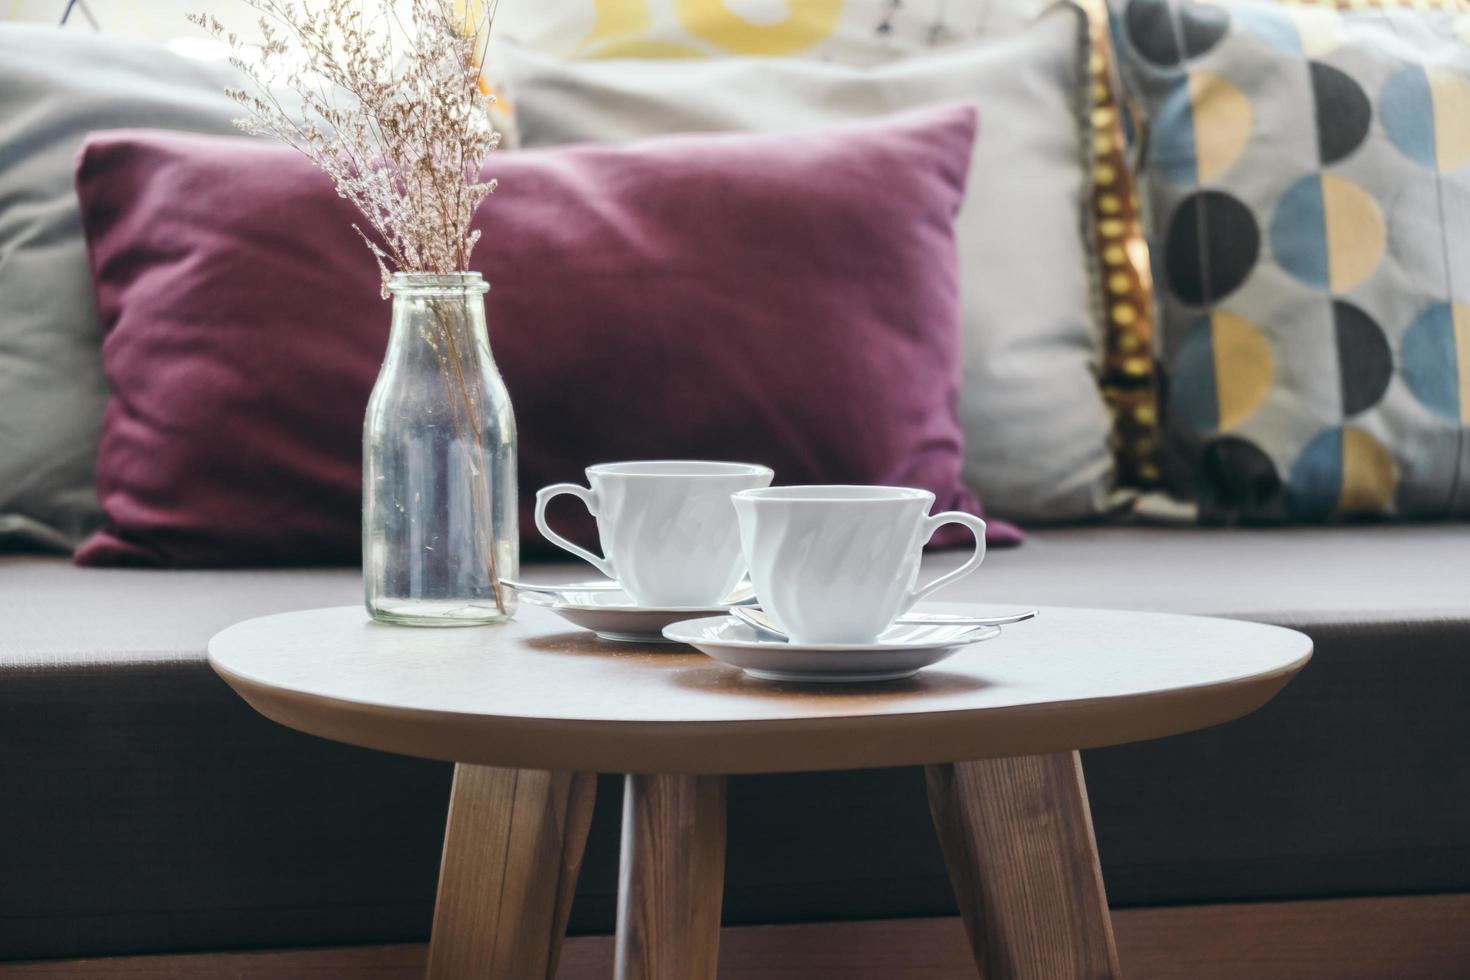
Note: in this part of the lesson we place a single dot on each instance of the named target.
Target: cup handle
(932, 524)
(589, 497)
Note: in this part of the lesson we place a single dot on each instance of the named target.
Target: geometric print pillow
(1306, 174)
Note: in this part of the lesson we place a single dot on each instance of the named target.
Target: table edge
(762, 745)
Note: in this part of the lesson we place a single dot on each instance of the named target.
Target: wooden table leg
(672, 877)
(512, 850)
(1017, 836)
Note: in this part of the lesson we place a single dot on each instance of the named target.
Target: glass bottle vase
(439, 523)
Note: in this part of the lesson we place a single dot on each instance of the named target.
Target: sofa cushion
(56, 87)
(847, 32)
(148, 808)
(639, 313)
(1033, 333)
(1307, 181)
(59, 616)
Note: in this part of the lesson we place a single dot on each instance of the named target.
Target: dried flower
(393, 112)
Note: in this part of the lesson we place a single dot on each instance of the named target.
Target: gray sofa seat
(144, 807)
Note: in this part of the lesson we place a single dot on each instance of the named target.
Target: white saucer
(900, 652)
(613, 615)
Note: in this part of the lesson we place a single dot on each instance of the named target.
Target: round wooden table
(532, 710)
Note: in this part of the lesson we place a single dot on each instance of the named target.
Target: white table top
(538, 693)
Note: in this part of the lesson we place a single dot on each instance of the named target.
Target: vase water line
(439, 463)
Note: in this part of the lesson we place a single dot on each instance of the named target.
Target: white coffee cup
(839, 564)
(668, 531)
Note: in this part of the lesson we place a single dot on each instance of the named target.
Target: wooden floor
(1416, 938)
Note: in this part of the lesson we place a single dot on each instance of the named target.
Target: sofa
(146, 808)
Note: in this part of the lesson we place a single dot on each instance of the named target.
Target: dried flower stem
(462, 389)
(392, 112)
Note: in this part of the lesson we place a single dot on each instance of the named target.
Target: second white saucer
(898, 653)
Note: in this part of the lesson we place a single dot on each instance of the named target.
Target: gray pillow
(56, 86)
(1036, 425)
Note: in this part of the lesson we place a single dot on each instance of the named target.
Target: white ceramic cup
(840, 564)
(668, 531)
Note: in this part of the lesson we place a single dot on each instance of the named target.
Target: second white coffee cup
(669, 534)
(838, 564)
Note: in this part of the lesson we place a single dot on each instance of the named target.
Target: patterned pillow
(1307, 177)
(853, 32)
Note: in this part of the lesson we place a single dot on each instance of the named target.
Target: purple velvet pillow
(789, 300)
